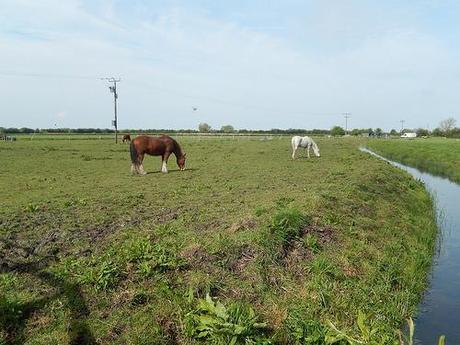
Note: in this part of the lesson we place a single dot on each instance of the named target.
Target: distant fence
(110, 136)
(7, 138)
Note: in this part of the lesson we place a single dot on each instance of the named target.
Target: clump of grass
(260, 210)
(103, 272)
(10, 314)
(311, 242)
(287, 224)
(151, 256)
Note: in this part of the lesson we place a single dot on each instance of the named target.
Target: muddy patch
(323, 233)
(242, 257)
(24, 245)
(243, 224)
(197, 257)
(312, 240)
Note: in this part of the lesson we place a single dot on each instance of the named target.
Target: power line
(45, 75)
(226, 102)
(169, 91)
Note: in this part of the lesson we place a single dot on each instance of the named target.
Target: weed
(306, 332)
(33, 208)
(146, 269)
(102, 274)
(236, 324)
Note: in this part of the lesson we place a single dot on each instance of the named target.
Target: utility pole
(347, 116)
(402, 125)
(113, 89)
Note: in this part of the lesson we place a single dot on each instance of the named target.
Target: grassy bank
(290, 252)
(438, 156)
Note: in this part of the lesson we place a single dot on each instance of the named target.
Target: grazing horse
(305, 142)
(155, 146)
(126, 138)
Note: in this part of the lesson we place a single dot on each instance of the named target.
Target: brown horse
(126, 138)
(155, 146)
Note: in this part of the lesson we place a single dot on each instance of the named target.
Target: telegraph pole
(347, 116)
(402, 125)
(113, 89)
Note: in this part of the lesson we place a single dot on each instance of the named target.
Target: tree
(337, 131)
(436, 132)
(394, 132)
(378, 132)
(455, 133)
(227, 129)
(204, 127)
(447, 125)
(422, 132)
(355, 132)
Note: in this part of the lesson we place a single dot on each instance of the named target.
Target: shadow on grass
(171, 171)
(14, 315)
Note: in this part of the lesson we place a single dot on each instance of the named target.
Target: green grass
(438, 156)
(290, 252)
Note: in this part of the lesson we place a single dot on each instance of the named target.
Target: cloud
(295, 65)
(61, 115)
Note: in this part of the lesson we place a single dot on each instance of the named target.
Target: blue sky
(252, 64)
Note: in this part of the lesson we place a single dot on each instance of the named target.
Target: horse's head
(181, 161)
(316, 150)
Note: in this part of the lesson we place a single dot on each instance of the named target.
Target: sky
(256, 64)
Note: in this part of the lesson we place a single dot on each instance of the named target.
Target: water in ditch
(439, 311)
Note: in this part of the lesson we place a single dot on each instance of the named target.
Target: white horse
(305, 142)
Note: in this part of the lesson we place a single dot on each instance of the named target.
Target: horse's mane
(177, 149)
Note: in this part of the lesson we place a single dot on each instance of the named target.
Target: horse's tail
(133, 152)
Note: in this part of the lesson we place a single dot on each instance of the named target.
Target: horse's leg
(135, 166)
(294, 148)
(308, 150)
(164, 161)
(140, 165)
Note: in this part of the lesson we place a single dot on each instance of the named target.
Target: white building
(409, 135)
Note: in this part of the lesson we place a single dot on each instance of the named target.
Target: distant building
(409, 135)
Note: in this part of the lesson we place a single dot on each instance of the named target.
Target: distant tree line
(203, 129)
(447, 128)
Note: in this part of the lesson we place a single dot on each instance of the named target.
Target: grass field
(438, 156)
(291, 252)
